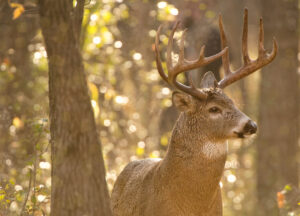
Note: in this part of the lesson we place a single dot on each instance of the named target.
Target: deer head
(209, 105)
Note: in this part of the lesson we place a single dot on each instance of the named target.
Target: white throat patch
(215, 150)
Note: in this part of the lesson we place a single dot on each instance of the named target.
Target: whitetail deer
(186, 181)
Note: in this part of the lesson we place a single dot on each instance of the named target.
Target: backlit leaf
(17, 122)
(140, 151)
(94, 91)
(2, 196)
(288, 188)
(164, 140)
(19, 9)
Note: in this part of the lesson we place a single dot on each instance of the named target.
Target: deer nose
(250, 127)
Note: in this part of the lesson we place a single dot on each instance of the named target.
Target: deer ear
(183, 102)
(208, 80)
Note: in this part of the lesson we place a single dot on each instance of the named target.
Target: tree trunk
(78, 173)
(279, 106)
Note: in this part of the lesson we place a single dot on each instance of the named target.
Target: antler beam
(249, 66)
(182, 64)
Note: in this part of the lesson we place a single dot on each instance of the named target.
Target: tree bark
(78, 173)
(279, 106)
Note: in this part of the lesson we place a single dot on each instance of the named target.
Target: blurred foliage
(127, 96)
(288, 201)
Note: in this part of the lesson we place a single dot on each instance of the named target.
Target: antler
(183, 64)
(249, 66)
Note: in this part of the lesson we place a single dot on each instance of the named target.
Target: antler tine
(261, 48)
(245, 39)
(181, 48)
(225, 57)
(249, 66)
(201, 60)
(272, 55)
(190, 78)
(170, 46)
(202, 51)
(157, 56)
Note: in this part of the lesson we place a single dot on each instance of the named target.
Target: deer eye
(214, 110)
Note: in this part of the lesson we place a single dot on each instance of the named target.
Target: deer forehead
(219, 96)
(216, 98)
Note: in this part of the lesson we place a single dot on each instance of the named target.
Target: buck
(186, 181)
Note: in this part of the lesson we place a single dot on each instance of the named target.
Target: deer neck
(194, 162)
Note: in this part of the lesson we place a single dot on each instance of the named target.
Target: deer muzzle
(250, 127)
(247, 129)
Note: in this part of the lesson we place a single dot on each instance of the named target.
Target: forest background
(132, 106)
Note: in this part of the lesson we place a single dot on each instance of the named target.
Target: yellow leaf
(103, 29)
(109, 94)
(140, 151)
(2, 196)
(112, 80)
(94, 91)
(125, 14)
(15, 5)
(181, 78)
(17, 122)
(288, 188)
(19, 9)
(164, 140)
(12, 181)
(210, 14)
(18, 12)
(92, 30)
(106, 15)
(167, 102)
(154, 154)
(19, 197)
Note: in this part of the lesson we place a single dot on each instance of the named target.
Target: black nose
(250, 127)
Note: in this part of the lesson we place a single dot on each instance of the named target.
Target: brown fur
(186, 181)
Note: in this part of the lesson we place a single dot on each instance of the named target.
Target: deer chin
(242, 135)
(236, 134)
